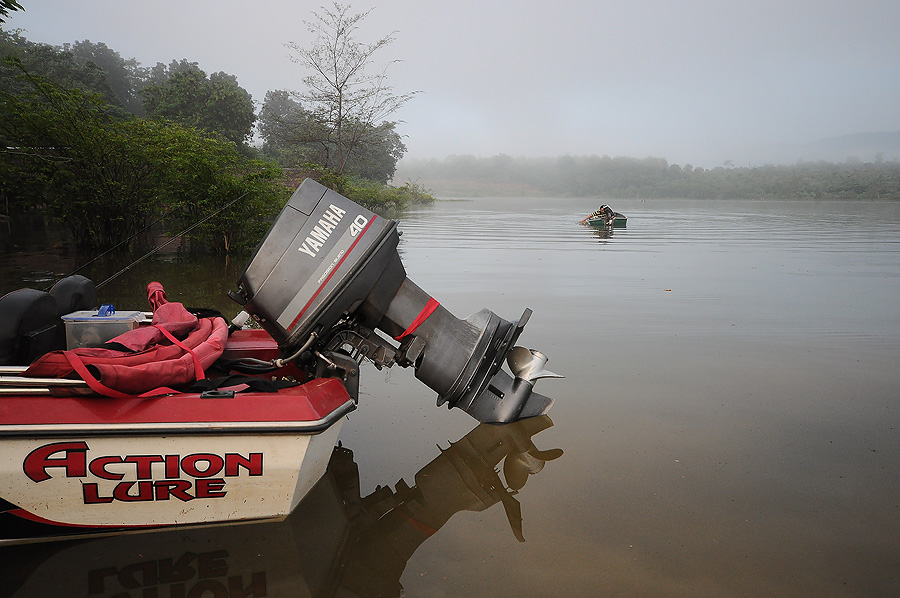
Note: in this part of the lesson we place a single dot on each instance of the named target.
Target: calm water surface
(729, 420)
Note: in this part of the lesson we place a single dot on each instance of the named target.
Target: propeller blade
(528, 364)
(518, 466)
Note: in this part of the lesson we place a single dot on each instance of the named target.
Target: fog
(695, 82)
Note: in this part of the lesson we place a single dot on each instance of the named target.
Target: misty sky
(696, 82)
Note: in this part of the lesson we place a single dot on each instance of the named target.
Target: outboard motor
(327, 275)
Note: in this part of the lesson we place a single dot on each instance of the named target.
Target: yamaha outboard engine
(327, 275)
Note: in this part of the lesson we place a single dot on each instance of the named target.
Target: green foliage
(215, 103)
(104, 175)
(293, 135)
(329, 178)
(56, 64)
(381, 198)
(211, 181)
(125, 77)
(92, 170)
(160, 73)
(78, 147)
(385, 199)
(290, 134)
(8, 6)
(377, 153)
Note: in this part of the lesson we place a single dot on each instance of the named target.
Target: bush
(385, 200)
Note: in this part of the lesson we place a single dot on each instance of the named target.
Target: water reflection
(603, 232)
(335, 543)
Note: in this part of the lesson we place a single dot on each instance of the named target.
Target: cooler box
(89, 329)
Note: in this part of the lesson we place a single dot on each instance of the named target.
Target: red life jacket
(160, 359)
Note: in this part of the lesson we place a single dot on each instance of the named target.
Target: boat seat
(29, 326)
(31, 321)
(74, 293)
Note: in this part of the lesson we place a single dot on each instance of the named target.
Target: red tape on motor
(429, 308)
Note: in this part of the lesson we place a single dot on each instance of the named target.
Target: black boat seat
(74, 293)
(31, 321)
(29, 326)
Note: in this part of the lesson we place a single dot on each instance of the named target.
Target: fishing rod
(158, 247)
(110, 250)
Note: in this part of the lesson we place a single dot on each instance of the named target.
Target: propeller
(528, 364)
(518, 466)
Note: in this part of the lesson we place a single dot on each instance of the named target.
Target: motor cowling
(327, 275)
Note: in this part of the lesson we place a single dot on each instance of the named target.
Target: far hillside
(622, 177)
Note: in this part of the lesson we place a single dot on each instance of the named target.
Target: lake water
(729, 420)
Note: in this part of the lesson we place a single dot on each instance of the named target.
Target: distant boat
(605, 217)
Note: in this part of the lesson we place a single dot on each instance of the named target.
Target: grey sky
(693, 81)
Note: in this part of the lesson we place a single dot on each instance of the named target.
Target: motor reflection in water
(335, 543)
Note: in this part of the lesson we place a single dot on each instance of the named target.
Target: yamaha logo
(320, 233)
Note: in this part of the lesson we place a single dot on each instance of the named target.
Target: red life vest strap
(100, 388)
(198, 367)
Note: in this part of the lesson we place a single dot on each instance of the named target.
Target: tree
(125, 77)
(8, 6)
(229, 197)
(288, 131)
(92, 171)
(160, 73)
(349, 104)
(57, 64)
(104, 174)
(377, 158)
(188, 97)
(292, 136)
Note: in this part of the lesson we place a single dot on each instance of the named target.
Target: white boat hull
(146, 480)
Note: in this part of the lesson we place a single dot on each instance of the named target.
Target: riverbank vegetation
(621, 177)
(110, 147)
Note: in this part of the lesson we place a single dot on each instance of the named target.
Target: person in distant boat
(604, 211)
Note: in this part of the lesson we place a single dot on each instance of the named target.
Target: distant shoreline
(650, 178)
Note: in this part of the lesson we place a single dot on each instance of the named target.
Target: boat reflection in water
(603, 233)
(335, 541)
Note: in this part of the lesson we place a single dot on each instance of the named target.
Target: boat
(186, 457)
(617, 221)
(187, 419)
(605, 217)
